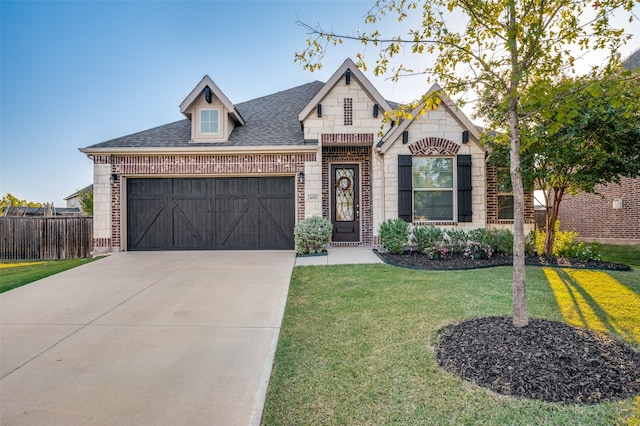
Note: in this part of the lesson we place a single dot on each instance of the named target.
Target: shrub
(477, 247)
(427, 237)
(457, 240)
(394, 235)
(530, 243)
(583, 251)
(566, 245)
(562, 243)
(502, 241)
(312, 235)
(480, 235)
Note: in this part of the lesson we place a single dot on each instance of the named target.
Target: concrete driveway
(142, 338)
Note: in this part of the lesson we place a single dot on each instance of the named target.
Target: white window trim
(454, 190)
(209, 134)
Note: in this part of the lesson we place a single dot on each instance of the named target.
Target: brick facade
(196, 165)
(350, 155)
(492, 201)
(593, 216)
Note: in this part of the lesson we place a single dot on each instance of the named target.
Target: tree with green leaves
(10, 200)
(582, 132)
(86, 201)
(506, 48)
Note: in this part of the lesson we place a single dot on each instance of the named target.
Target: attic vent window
(347, 78)
(207, 94)
(209, 121)
(348, 112)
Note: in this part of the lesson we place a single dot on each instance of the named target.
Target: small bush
(584, 251)
(530, 243)
(566, 245)
(394, 235)
(458, 239)
(502, 241)
(312, 235)
(480, 235)
(427, 237)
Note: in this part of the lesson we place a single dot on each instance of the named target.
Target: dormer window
(209, 121)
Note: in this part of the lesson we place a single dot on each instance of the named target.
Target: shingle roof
(633, 61)
(269, 120)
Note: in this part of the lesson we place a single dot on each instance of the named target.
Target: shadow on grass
(596, 300)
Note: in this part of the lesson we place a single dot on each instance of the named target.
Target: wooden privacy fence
(45, 237)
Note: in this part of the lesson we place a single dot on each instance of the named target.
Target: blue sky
(78, 73)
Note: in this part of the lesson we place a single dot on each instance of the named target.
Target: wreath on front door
(344, 183)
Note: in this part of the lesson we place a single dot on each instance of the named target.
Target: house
(73, 200)
(241, 176)
(613, 214)
(48, 210)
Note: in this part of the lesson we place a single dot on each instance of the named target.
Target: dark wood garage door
(210, 213)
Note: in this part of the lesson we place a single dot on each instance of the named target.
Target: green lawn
(356, 347)
(18, 273)
(627, 254)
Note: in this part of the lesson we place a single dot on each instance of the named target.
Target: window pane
(433, 172)
(504, 181)
(505, 206)
(209, 121)
(345, 195)
(433, 205)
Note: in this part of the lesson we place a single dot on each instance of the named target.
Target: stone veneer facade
(346, 132)
(595, 217)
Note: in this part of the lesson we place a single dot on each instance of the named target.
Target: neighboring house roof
(81, 191)
(207, 82)
(357, 75)
(633, 61)
(271, 120)
(394, 133)
(42, 211)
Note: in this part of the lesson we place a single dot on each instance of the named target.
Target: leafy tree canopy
(11, 200)
(504, 50)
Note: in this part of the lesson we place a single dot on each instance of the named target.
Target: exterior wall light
(113, 179)
(301, 177)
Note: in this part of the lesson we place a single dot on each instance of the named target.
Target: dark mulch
(546, 360)
(458, 261)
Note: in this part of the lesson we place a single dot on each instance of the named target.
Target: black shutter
(465, 213)
(405, 188)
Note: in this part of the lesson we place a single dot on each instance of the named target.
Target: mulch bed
(457, 261)
(546, 360)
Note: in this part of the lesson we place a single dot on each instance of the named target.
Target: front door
(345, 202)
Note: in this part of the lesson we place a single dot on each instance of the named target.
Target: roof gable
(195, 93)
(387, 140)
(271, 120)
(356, 74)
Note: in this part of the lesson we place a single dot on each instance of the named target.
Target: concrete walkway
(154, 338)
(340, 256)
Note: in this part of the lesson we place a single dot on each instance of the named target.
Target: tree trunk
(520, 316)
(552, 218)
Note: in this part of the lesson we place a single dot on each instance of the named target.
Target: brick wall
(594, 217)
(188, 166)
(492, 201)
(352, 155)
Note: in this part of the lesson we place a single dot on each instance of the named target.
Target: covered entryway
(210, 213)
